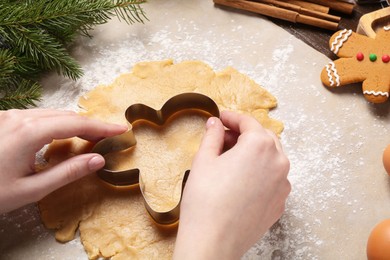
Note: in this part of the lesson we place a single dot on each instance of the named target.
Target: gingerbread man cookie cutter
(179, 103)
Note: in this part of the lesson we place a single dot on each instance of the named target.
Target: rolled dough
(113, 221)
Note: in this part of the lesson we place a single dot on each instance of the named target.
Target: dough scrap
(113, 222)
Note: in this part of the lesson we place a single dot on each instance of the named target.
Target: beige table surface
(334, 139)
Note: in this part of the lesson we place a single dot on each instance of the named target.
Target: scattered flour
(284, 241)
(320, 173)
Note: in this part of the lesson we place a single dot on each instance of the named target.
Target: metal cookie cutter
(178, 103)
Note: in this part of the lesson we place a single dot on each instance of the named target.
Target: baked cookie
(362, 59)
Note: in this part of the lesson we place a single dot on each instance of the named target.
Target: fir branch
(25, 95)
(43, 49)
(70, 16)
(14, 68)
(7, 64)
(129, 11)
(27, 68)
(34, 35)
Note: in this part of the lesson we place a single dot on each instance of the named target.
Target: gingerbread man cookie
(362, 59)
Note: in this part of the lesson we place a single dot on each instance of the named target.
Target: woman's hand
(23, 133)
(232, 198)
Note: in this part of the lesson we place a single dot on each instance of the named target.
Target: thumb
(213, 140)
(43, 183)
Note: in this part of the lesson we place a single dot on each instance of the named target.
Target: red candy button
(385, 58)
(360, 56)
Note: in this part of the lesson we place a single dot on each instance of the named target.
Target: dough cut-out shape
(112, 221)
(179, 103)
(362, 59)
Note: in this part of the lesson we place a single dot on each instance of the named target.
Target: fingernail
(122, 127)
(96, 163)
(210, 122)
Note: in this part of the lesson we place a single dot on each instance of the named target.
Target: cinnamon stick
(300, 10)
(310, 6)
(279, 13)
(340, 6)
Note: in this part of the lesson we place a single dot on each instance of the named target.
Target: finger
(213, 140)
(16, 118)
(39, 112)
(67, 126)
(276, 140)
(41, 184)
(242, 123)
(239, 123)
(231, 138)
(47, 112)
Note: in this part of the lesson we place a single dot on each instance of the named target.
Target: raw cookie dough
(113, 221)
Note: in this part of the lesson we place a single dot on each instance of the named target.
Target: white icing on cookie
(339, 40)
(332, 73)
(376, 93)
(330, 78)
(387, 28)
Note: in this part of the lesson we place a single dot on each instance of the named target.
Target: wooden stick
(310, 6)
(300, 10)
(279, 13)
(339, 6)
